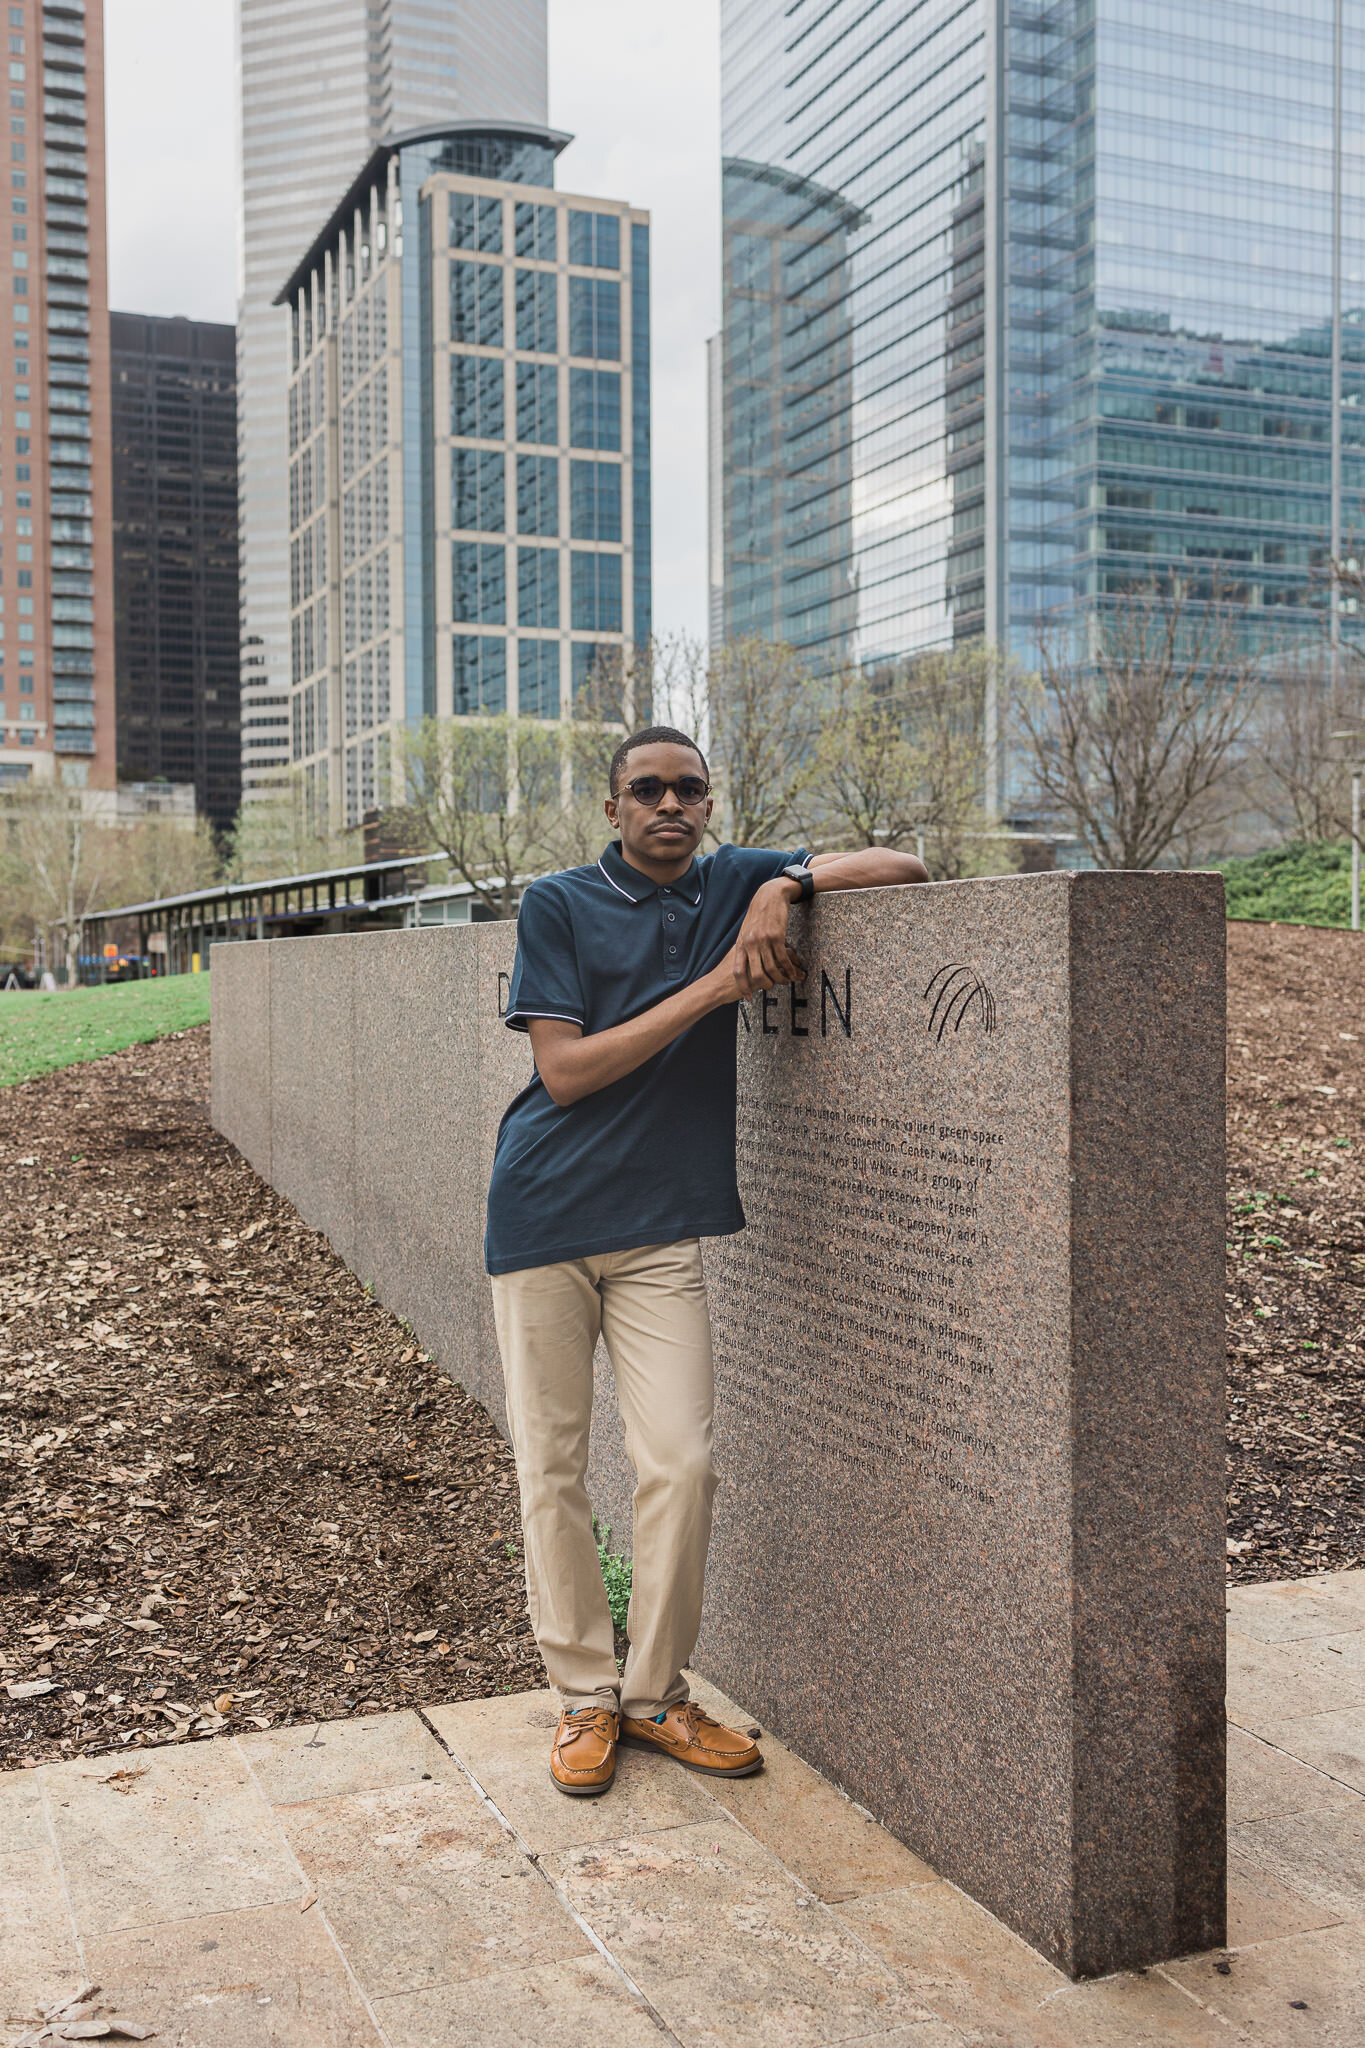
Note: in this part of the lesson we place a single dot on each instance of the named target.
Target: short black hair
(651, 736)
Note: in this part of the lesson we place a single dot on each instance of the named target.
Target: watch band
(805, 877)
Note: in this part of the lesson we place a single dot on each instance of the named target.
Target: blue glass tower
(1048, 315)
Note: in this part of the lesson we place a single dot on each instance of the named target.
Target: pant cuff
(570, 1701)
(678, 1696)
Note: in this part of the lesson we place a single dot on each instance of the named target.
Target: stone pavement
(413, 1879)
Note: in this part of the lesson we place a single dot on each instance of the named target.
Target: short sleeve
(759, 864)
(545, 972)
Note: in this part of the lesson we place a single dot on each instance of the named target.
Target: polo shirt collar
(629, 881)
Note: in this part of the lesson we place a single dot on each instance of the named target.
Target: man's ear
(613, 815)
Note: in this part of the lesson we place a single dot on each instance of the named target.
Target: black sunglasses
(649, 789)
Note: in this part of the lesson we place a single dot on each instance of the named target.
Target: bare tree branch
(1138, 740)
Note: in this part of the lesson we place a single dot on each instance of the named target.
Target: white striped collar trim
(695, 871)
(615, 885)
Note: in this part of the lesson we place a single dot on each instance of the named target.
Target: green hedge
(1295, 884)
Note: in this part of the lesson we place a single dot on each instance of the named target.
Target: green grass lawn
(40, 1032)
(1302, 883)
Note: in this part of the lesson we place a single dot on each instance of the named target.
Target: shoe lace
(588, 1721)
(695, 1716)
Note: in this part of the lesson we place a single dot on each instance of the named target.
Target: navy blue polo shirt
(650, 1158)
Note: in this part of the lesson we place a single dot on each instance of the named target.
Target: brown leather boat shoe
(583, 1760)
(689, 1735)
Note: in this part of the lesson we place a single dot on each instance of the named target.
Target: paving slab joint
(310, 1901)
(525, 1850)
(1159, 1970)
(1291, 1756)
(51, 1826)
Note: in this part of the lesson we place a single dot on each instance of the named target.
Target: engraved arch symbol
(951, 993)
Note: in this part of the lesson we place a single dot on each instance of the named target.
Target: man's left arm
(762, 951)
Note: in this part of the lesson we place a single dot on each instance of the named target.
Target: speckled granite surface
(968, 1553)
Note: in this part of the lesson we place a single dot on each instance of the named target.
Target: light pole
(1357, 767)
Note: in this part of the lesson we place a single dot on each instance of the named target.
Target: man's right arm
(572, 1065)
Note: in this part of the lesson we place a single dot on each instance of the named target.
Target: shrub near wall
(1295, 884)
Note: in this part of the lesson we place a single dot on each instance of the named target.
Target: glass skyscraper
(174, 428)
(321, 83)
(1027, 306)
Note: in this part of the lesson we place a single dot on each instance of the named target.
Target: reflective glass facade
(1044, 311)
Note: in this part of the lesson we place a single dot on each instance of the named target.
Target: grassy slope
(1295, 884)
(39, 1032)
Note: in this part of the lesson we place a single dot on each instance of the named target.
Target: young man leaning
(610, 1166)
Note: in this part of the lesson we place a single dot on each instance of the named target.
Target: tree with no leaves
(60, 860)
(54, 864)
(278, 834)
(900, 757)
(1305, 780)
(1137, 739)
(765, 713)
(488, 792)
(508, 798)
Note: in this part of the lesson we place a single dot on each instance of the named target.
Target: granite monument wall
(969, 1553)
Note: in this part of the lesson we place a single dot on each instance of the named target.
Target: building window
(535, 230)
(595, 500)
(478, 581)
(537, 494)
(537, 586)
(476, 304)
(596, 593)
(538, 678)
(480, 674)
(595, 240)
(584, 658)
(538, 403)
(476, 408)
(594, 408)
(595, 318)
(477, 490)
(537, 326)
(475, 223)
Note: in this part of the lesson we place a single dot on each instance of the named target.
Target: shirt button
(673, 917)
(666, 892)
(672, 949)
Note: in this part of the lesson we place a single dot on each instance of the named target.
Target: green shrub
(616, 1573)
(1295, 884)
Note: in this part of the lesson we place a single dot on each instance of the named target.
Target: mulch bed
(235, 1491)
(1296, 1259)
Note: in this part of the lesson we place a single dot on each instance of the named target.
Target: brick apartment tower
(56, 557)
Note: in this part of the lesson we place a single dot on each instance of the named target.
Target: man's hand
(761, 957)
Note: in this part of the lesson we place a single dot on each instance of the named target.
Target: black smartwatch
(804, 876)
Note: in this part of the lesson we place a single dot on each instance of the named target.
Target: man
(610, 1166)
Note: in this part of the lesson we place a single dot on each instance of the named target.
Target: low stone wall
(969, 1550)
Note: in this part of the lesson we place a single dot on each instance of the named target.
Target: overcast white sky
(635, 81)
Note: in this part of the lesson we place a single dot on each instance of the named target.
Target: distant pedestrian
(610, 1167)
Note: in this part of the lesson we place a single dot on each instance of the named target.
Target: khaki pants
(650, 1308)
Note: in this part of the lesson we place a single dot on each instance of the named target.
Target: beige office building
(469, 433)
